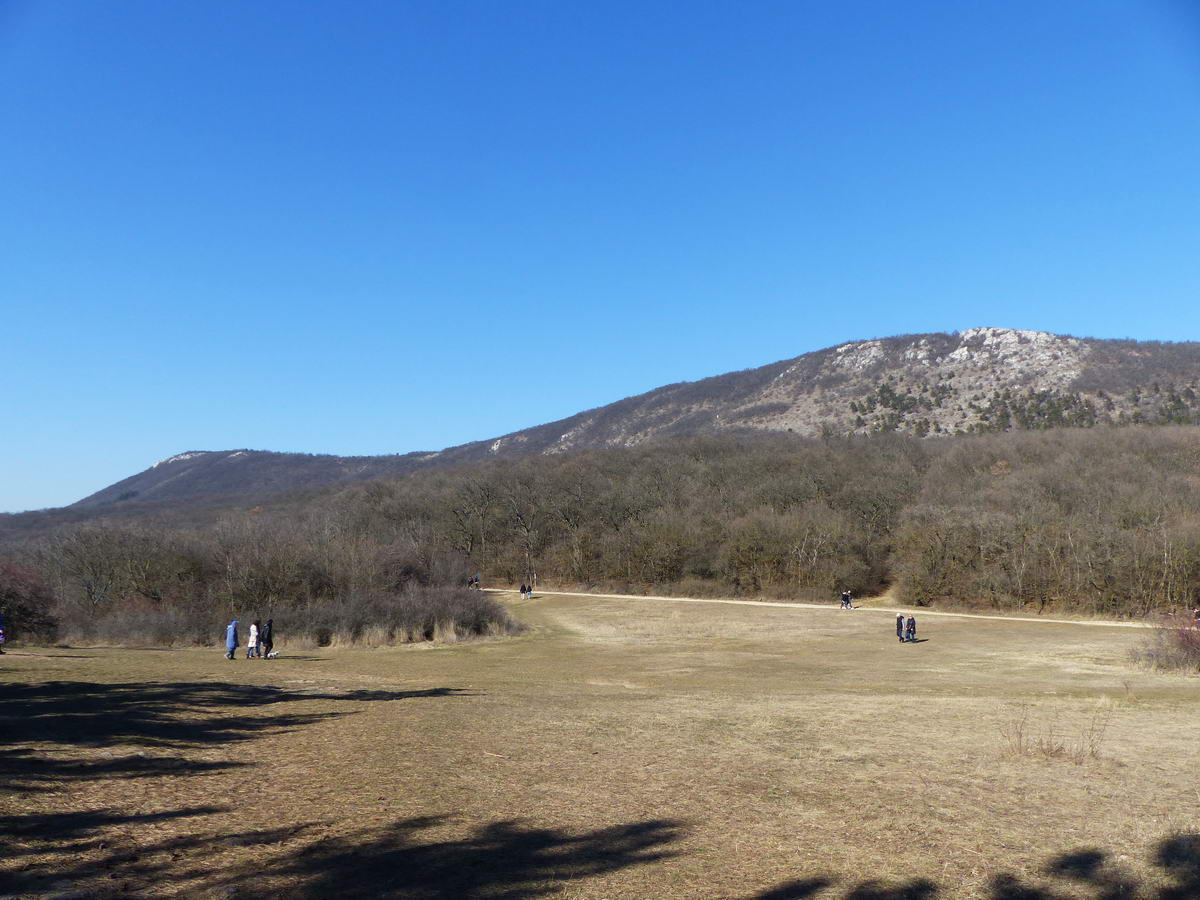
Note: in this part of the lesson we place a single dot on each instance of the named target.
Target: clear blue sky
(376, 227)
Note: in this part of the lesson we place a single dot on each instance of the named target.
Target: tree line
(1103, 521)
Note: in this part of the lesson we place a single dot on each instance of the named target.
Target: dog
(272, 654)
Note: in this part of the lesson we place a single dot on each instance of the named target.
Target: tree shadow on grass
(55, 827)
(86, 853)
(61, 716)
(804, 888)
(800, 889)
(28, 771)
(161, 714)
(90, 854)
(1176, 859)
(502, 860)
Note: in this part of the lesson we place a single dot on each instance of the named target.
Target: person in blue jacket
(231, 641)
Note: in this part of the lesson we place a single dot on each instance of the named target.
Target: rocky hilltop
(983, 379)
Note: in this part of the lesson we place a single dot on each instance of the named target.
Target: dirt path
(1093, 623)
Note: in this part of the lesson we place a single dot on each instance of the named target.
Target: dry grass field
(620, 749)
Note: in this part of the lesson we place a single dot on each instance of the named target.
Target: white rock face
(859, 355)
(920, 352)
(179, 457)
(1052, 361)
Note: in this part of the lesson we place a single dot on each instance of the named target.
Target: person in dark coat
(231, 639)
(910, 629)
(266, 638)
(900, 627)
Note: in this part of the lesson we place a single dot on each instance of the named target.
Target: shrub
(1174, 645)
(443, 614)
(26, 604)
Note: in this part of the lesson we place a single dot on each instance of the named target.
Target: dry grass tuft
(1024, 734)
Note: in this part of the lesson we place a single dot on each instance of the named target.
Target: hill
(979, 380)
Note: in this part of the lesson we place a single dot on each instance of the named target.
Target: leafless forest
(1100, 521)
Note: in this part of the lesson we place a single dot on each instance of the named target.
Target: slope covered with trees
(1102, 521)
(983, 380)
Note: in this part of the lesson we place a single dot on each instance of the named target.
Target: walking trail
(1092, 623)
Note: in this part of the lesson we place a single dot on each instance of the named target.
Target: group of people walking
(526, 592)
(260, 641)
(906, 628)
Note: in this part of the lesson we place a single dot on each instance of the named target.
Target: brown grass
(1026, 734)
(619, 750)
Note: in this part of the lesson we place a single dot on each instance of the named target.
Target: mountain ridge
(981, 379)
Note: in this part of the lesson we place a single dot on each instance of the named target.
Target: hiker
(231, 641)
(522, 590)
(900, 627)
(252, 641)
(910, 629)
(266, 638)
(847, 600)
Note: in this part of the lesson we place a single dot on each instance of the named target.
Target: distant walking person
(252, 640)
(231, 641)
(522, 590)
(900, 627)
(847, 600)
(266, 638)
(910, 629)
